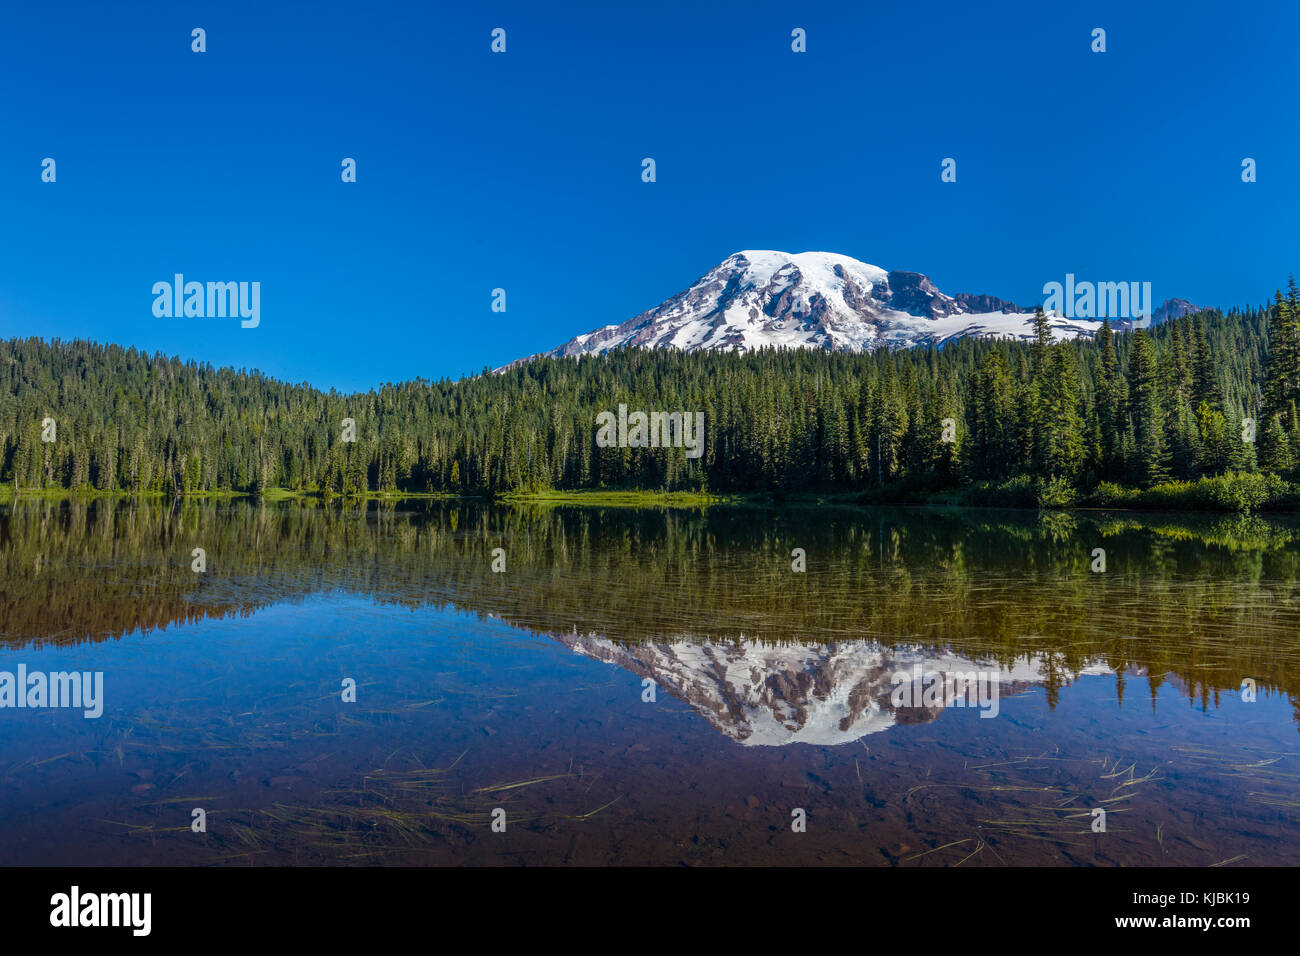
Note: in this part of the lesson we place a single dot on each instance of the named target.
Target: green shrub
(1110, 495)
(1018, 492)
(1055, 493)
(1239, 491)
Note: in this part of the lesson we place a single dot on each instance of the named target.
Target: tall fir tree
(1146, 416)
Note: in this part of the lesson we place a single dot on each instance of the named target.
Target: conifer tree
(1149, 464)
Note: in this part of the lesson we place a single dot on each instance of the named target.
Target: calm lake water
(645, 686)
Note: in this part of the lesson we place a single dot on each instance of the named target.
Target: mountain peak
(761, 298)
(1173, 309)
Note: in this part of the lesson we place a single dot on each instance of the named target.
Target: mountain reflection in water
(772, 695)
(768, 689)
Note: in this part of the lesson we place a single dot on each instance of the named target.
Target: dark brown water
(529, 691)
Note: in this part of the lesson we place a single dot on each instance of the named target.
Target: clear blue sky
(522, 170)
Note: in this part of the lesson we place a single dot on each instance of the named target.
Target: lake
(358, 685)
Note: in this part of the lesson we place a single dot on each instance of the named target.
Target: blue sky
(523, 170)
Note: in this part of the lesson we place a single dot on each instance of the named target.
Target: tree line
(1175, 402)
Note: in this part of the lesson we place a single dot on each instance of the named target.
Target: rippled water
(529, 691)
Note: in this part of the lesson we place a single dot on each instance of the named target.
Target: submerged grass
(1060, 815)
(388, 814)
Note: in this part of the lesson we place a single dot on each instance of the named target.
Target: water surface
(526, 691)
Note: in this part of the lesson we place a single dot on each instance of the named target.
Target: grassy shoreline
(1240, 493)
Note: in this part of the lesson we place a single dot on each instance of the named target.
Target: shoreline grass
(1231, 493)
(628, 498)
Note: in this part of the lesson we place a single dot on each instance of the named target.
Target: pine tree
(889, 423)
(1042, 340)
(1145, 413)
(1281, 382)
(1206, 388)
(1109, 406)
(992, 418)
(1060, 443)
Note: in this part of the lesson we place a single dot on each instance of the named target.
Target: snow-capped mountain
(762, 694)
(755, 299)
